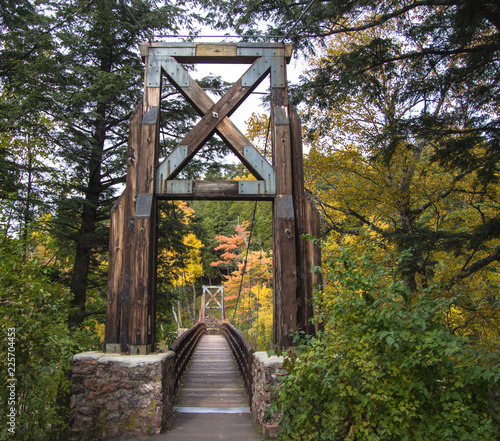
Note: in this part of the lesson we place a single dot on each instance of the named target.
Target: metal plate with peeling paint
(169, 165)
(285, 207)
(143, 205)
(178, 186)
(150, 117)
(281, 116)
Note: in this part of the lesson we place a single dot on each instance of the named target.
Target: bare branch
(479, 265)
(442, 195)
(385, 17)
(355, 214)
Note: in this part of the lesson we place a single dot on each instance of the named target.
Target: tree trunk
(176, 318)
(85, 242)
(179, 313)
(188, 307)
(27, 217)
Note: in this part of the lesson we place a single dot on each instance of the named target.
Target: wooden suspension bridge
(213, 388)
(206, 366)
(131, 301)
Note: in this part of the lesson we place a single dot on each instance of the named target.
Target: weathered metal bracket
(249, 188)
(285, 207)
(113, 348)
(162, 59)
(176, 72)
(178, 187)
(259, 163)
(140, 349)
(271, 59)
(150, 117)
(257, 71)
(281, 116)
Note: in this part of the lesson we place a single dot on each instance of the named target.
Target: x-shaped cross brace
(215, 119)
(213, 298)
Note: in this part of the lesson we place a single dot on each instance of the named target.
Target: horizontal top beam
(212, 190)
(217, 53)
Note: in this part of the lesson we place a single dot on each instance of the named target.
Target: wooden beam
(313, 255)
(141, 318)
(115, 272)
(128, 231)
(228, 132)
(208, 124)
(308, 254)
(284, 221)
(219, 53)
(216, 51)
(215, 190)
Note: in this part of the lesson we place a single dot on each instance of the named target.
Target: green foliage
(37, 308)
(71, 77)
(371, 164)
(383, 369)
(219, 218)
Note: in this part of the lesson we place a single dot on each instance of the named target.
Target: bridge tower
(131, 303)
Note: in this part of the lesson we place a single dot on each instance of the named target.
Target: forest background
(400, 109)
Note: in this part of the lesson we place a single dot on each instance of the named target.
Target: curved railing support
(243, 354)
(184, 348)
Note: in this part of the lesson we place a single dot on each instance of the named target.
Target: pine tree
(77, 63)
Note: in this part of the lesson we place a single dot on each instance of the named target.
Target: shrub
(385, 368)
(38, 309)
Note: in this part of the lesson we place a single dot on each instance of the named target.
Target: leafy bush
(37, 308)
(385, 367)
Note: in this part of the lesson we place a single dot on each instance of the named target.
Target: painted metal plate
(150, 117)
(143, 205)
(285, 207)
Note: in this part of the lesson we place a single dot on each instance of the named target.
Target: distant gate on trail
(131, 301)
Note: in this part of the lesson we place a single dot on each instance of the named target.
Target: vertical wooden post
(293, 217)
(142, 294)
(131, 304)
(122, 248)
(115, 274)
(308, 223)
(284, 223)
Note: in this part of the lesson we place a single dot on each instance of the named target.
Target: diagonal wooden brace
(215, 120)
(213, 298)
(206, 127)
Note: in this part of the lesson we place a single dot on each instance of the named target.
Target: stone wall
(114, 394)
(267, 373)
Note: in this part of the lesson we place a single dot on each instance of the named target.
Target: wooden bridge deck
(212, 383)
(211, 403)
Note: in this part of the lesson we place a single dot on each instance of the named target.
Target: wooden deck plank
(212, 379)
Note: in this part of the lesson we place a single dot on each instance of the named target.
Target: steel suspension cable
(251, 233)
(243, 271)
(304, 12)
(146, 34)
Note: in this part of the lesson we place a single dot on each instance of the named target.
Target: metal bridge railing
(243, 354)
(184, 348)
